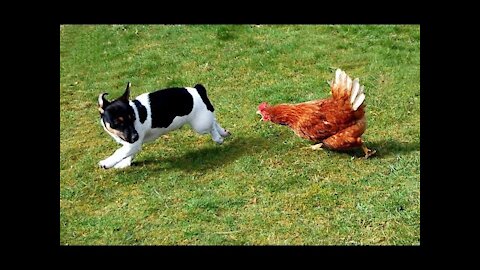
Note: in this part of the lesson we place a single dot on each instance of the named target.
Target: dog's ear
(102, 102)
(126, 95)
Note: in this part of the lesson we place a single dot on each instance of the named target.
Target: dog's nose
(134, 137)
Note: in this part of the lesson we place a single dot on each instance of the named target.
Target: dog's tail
(203, 94)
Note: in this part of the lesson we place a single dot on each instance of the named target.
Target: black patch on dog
(167, 104)
(119, 109)
(203, 94)
(142, 111)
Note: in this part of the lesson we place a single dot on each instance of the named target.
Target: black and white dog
(150, 115)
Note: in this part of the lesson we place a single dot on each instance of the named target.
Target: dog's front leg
(125, 151)
(126, 162)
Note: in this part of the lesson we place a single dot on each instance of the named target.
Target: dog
(144, 119)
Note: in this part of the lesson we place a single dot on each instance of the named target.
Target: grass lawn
(263, 186)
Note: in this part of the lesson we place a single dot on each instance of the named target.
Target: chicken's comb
(262, 105)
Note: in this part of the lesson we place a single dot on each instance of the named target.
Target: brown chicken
(336, 123)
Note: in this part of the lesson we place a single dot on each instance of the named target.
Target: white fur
(200, 119)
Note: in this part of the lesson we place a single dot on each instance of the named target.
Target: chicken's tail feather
(344, 86)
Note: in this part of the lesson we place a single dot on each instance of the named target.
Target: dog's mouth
(132, 138)
(130, 135)
(127, 136)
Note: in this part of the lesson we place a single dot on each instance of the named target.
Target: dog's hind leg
(216, 135)
(223, 132)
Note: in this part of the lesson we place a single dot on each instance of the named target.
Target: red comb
(262, 106)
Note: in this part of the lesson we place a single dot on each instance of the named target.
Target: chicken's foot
(368, 152)
(317, 146)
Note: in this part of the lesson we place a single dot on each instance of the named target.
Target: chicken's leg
(367, 151)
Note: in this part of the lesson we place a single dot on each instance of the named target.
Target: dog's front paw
(104, 164)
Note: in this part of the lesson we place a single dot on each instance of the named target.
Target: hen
(336, 123)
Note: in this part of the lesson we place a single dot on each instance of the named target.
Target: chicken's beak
(261, 116)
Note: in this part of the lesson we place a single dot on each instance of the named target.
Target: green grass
(262, 186)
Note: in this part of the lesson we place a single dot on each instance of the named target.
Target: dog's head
(117, 117)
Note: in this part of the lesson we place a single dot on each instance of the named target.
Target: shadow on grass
(384, 148)
(391, 147)
(213, 157)
(209, 157)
